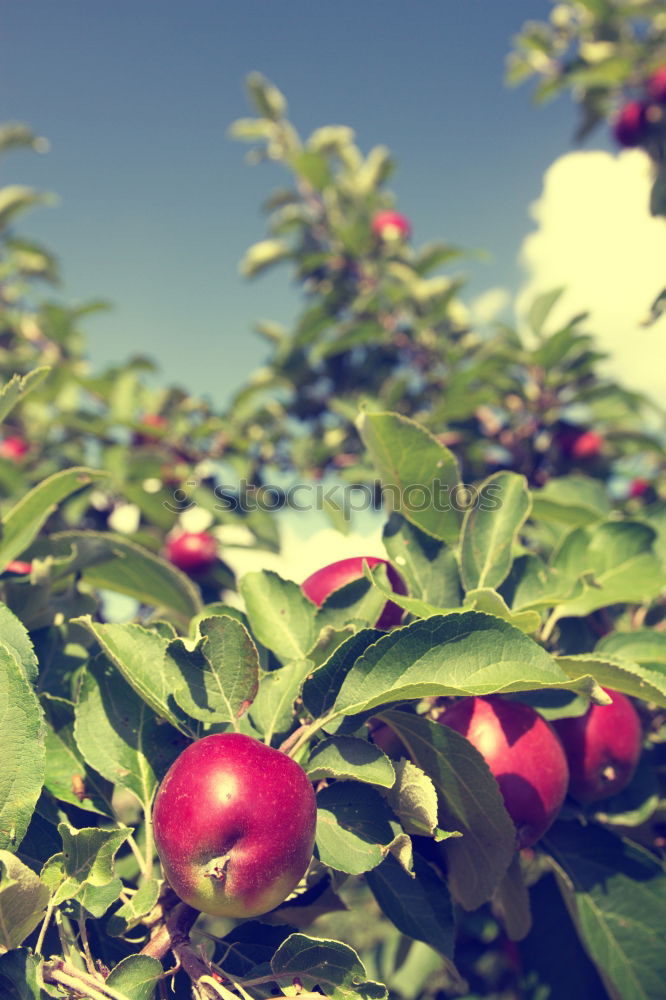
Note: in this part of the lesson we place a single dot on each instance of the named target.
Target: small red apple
(638, 488)
(234, 824)
(656, 86)
(603, 747)
(588, 444)
(154, 420)
(324, 581)
(17, 566)
(390, 225)
(13, 448)
(631, 125)
(193, 551)
(524, 755)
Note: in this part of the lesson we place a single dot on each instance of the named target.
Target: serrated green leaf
(221, 674)
(136, 977)
(355, 827)
(429, 567)
(470, 802)
(492, 603)
(357, 601)
(331, 966)
(644, 646)
(455, 654)
(18, 387)
(21, 524)
(19, 976)
(84, 869)
(571, 500)
(490, 530)
(342, 757)
(615, 892)
(512, 901)
(413, 798)
(322, 686)
(272, 711)
(15, 637)
(621, 675)
(22, 750)
(540, 309)
(23, 899)
(131, 913)
(280, 614)
(119, 736)
(418, 473)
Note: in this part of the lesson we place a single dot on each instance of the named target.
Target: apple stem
(609, 773)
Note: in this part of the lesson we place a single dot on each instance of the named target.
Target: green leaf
(134, 910)
(330, 966)
(620, 556)
(221, 673)
(136, 977)
(19, 976)
(621, 675)
(429, 567)
(21, 749)
(266, 97)
(263, 255)
(419, 905)
(272, 711)
(349, 757)
(23, 899)
(84, 869)
(494, 604)
(533, 584)
(413, 798)
(140, 656)
(321, 688)
(540, 309)
(22, 523)
(456, 654)
(571, 500)
(18, 387)
(470, 802)
(512, 901)
(67, 777)
(490, 530)
(15, 637)
(109, 562)
(643, 646)
(281, 616)
(119, 735)
(355, 827)
(615, 892)
(419, 475)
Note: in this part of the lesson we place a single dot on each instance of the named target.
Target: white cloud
(596, 237)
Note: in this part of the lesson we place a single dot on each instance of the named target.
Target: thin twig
(83, 931)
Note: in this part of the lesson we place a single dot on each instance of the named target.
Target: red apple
(154, 420)
(602, 747)
(17, 566)
(638, 488)
(13, 447)
(523, 754)
(192, 552)
(631, 125)
(390, 225)
(588, 444)
(234, 825)
(329, 578)
(656, 86)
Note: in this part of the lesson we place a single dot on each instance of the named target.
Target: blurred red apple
(638, 488)
(602, 747)
(656, 86)
(390, 225)
(587, 445)
(631, 125)
(17, 566)
(13, 447)
(192, 552)
(150, 420)
(324, 581)
(234, 824)
(523, 754)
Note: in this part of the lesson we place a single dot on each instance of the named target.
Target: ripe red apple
(524, 755)
(329, 578)
(13, 447)
(17, 566)
(638, 488)
(656, 86)
(587, 445)
(192, 552)
(390, 225)
(631, 125)
(603, 747)
(234, 825)
(154, 420)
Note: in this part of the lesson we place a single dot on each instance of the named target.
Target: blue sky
(157, 204)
